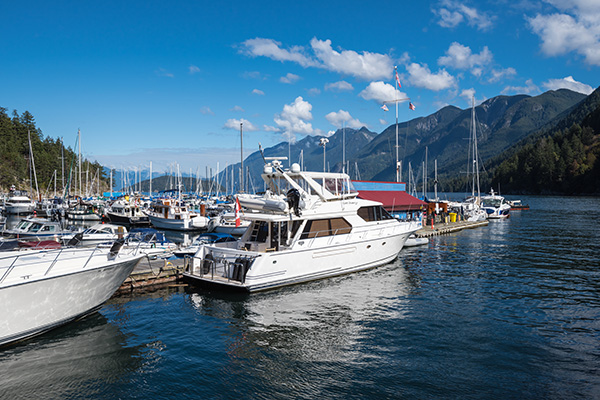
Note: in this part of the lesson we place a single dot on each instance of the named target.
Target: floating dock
(150, 272)
(442, 228)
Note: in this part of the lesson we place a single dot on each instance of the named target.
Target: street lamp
(323, 142)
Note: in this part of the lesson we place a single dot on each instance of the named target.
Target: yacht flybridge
(307, 226)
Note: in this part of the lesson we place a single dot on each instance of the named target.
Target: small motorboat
(414, 240)
(205, 238)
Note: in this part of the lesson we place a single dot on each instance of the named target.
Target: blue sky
(169, 82)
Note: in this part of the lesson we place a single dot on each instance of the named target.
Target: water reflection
(77, 360)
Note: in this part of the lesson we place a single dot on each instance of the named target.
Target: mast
(39, 195)
(397, 147)
(150, 178)
(242, 158)
(343, 146)
(79, 160)
(475, 154)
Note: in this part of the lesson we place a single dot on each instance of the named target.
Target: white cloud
(314, 91)
(206, 111)
(254, 75)
(468, 94)
(194, 69)
(294, 119)
(421, 76)
(381, 92)
(337, 119)
(383, 121)
(498, 74)
(258, 92)
(271, 48)
(529, 88)
(289, 78)
(237, 109)
(234, 124)
(453, 13)
(568, 83)
(460, 57)
(576, 31)
(339, 86)
(365, 65)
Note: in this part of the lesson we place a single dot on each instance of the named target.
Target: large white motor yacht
(307, 226)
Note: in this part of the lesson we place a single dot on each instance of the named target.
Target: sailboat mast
(396, 91)
(79, 160)
(475, 153)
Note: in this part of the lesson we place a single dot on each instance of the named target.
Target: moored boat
(495, 206)
(172, 214)
(307, 226)
(40, 290)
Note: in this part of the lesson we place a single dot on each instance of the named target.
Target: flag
(411, 106)
(385, 108)
(238, 220)
(398, 80)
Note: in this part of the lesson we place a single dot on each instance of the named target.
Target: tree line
(49, 154)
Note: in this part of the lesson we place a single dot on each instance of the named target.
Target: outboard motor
(293, 200)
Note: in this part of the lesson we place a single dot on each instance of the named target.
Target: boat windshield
(493, 202)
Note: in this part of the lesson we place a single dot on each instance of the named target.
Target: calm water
(511, 310)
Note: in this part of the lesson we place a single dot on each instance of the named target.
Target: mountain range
(442, 138)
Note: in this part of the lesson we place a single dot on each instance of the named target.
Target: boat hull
(126, 220)
(277, 269)
(31, 308)
(178, 224)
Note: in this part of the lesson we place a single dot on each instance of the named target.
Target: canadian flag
(238, 208)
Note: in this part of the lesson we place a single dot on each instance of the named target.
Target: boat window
(325, 227)
(35, 227)
(373, 213)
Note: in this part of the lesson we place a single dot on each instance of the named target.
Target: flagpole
(396, 92)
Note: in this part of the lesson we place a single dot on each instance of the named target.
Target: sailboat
(471, 207)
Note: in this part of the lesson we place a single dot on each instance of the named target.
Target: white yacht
(18, 202)
(40, 290)
(307, 226)
(173, 214)
(495, 206)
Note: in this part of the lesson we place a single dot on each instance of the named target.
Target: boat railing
(221, 267)
(26, 255)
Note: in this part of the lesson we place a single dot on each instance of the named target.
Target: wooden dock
(441, 228)
(153, 272)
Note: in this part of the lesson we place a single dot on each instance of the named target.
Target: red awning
(394, 200)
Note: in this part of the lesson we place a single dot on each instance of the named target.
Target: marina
(507, 310)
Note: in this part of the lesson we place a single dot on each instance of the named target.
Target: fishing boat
(34, 228)
(173, 214)
(126, 213)
(41, 290)
(307, 226)
(495, 206)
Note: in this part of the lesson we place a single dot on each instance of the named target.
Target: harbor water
(510, 311)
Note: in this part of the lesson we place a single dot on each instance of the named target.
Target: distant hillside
(167, 182)
(562, 159)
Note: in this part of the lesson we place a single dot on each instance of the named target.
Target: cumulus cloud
(568, 83)
(258, 92)
(461, 57)
(289, 78)
(381, 92)
(575, 30)
(421, 76)
(254, 75)
(339, 86)
(234, 124)
(498, 74)
(453, 13)
(529, 88)
(337, 119)
(294, 119)
(365, 65)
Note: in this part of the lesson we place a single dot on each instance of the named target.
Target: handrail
(9, 269)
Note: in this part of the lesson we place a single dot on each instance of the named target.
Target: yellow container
(452, 217)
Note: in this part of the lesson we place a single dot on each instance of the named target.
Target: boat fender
(206, 263)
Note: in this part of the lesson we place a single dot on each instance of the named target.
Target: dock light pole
(323, 143)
